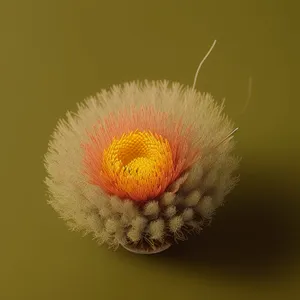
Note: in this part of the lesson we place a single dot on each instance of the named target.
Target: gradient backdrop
(55, 53)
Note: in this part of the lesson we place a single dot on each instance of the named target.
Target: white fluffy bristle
(105, 212)
(134, 235)
(205, 207)
(95, 223)
(170, 211)
(210, 179)
(156, 229)
(188, 214)
(192, 199)
(139, 223)
(151, 209)
(175, 186)
(111, 225)
(168, 198)
(195, 225)
(117, 204)
(129, 209)
(120, 236)
(104, 237)
(194, 177)
(175, 224)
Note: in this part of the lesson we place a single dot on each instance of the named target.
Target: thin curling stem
(201, 63)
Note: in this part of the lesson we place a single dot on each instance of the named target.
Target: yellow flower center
(139, 164)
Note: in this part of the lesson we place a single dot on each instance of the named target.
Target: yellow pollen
(139, 164)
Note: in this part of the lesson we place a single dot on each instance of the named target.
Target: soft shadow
(252, 235)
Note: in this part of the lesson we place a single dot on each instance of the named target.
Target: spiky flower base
(184, 207)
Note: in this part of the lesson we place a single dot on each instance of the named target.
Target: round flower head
(142, 164)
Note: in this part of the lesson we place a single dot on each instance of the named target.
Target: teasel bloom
(142, 165)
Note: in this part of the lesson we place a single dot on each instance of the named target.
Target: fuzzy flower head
(137, 153)
(141, 164)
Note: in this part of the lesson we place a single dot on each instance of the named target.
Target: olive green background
(56, 53)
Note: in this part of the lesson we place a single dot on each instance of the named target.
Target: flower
(138, 152)
(141, 164)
